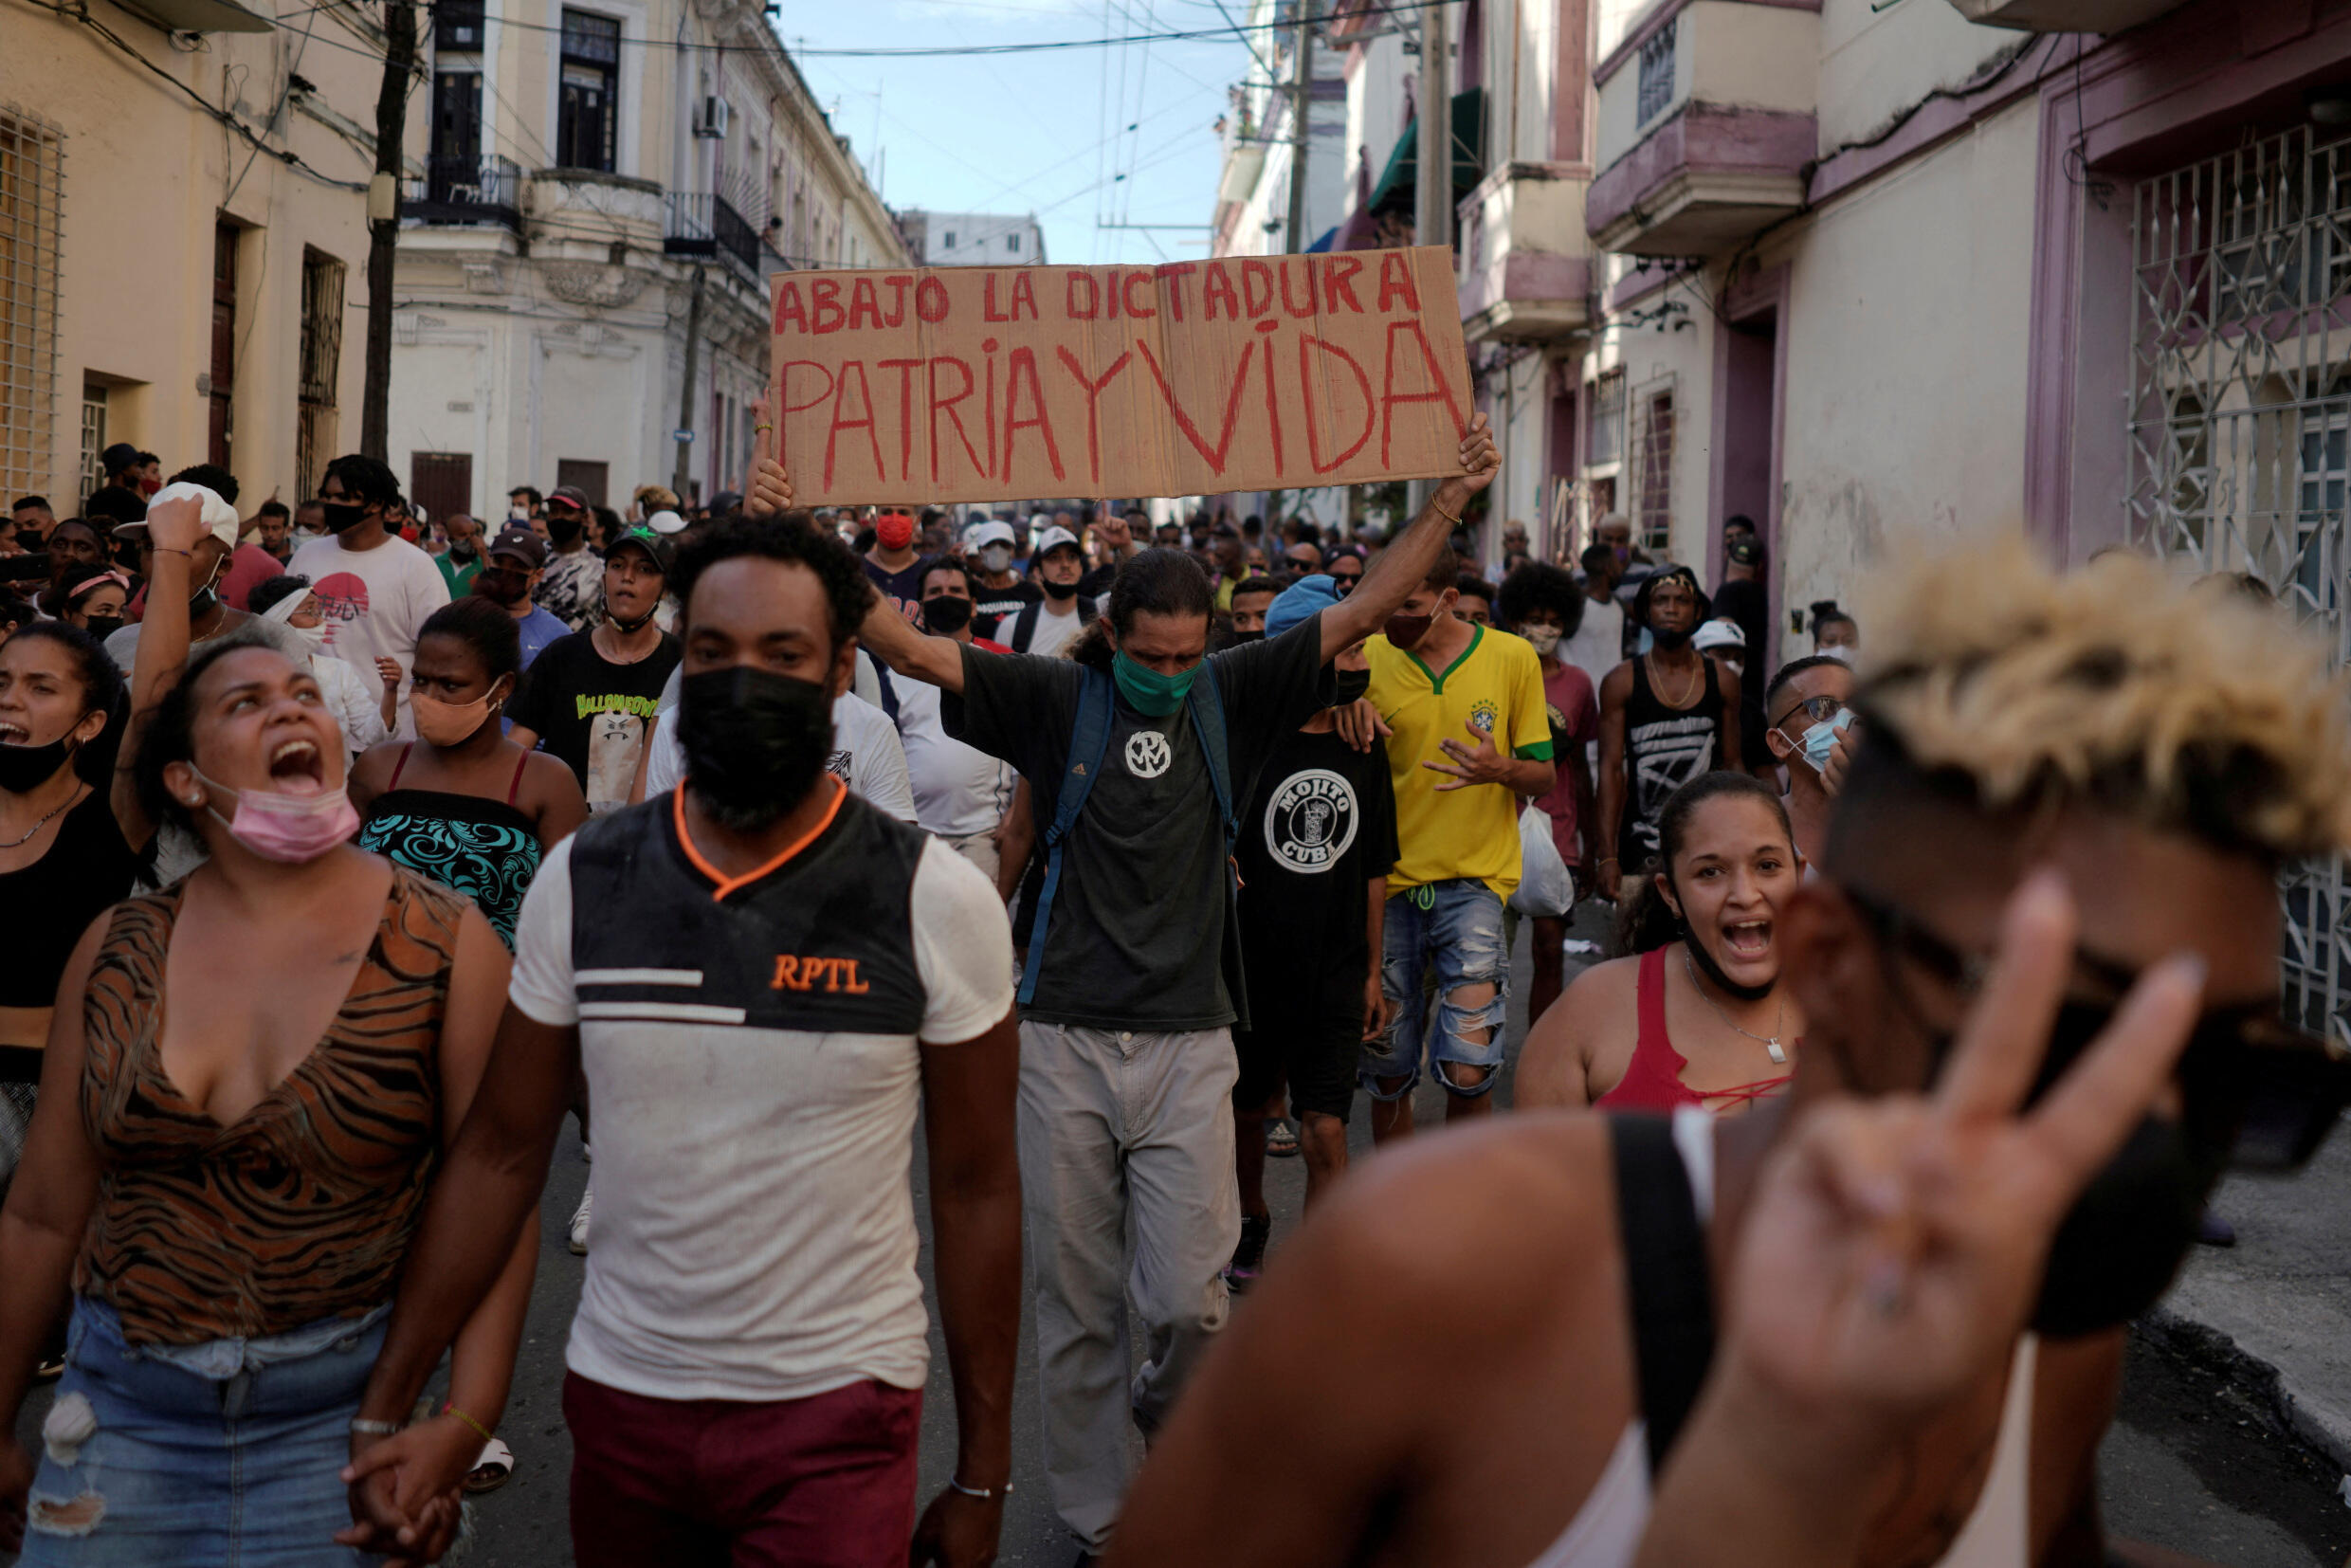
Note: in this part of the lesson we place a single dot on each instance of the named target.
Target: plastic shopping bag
(1544, 886)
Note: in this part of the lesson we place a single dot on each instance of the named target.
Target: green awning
(1395, 192)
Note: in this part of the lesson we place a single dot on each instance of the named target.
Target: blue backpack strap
(1207, 706)
(1089, 739)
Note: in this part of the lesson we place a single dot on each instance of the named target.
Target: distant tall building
(972, 238)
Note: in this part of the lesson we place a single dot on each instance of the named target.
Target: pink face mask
(289, 829)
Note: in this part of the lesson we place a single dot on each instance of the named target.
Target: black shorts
(1312, 1035)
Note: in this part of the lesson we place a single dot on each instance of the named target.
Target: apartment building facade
(598, 193)
(972, 238)
(183, 238)
(1875, 273)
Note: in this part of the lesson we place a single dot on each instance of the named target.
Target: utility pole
(1434, 187)
(383, 210)
(686, 395)
(1302, 97)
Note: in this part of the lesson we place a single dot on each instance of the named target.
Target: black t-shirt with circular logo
(1321, 826)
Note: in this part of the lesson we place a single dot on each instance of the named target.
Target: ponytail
(1644, 919)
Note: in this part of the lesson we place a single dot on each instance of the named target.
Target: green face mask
(1147, 691)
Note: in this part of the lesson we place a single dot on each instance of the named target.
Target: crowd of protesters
(1117, 856)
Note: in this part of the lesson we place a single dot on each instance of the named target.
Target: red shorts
(825, 1482)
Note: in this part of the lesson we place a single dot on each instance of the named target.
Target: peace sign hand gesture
(1894, 1246)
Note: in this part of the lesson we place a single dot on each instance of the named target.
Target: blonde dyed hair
(2185, 705)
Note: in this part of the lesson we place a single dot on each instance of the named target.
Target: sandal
(493, 1469)
(1281, 1137)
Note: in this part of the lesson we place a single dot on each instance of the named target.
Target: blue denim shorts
(201, 1456)
(1449, 933)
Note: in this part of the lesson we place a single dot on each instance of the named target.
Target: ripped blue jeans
(1449, 933)
(222, 1454)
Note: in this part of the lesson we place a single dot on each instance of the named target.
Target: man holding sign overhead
(1137, 766)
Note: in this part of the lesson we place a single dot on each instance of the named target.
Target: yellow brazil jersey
(1496, 684)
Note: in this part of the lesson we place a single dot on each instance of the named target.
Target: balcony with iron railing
(702, 224)
(466, 192)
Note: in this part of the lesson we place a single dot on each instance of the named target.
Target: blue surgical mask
(1821, 740)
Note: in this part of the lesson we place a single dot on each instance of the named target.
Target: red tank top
(1652, 1080)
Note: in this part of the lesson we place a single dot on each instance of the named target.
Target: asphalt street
(2190, 1465)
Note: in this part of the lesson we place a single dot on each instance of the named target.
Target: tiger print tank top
(304, 1208)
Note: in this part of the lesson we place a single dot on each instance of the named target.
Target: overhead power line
(925, 51)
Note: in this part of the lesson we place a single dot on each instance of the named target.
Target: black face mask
(946, 614)
(23, 768)
(464, 552)
(562, 529)
(754, 740)
(341, 516)
(1713, 972)
(104, 627)
(200, 604)
(1058, 591)
(2121, 1243)
(1352, 685)
(1670, 642)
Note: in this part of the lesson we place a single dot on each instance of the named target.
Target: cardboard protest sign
(985, 383)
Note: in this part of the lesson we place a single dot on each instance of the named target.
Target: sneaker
(1248, 1259)
(1281, 1137)
(579, 1221)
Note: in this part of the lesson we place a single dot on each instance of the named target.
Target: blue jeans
(223, 1454)
(1450, 933)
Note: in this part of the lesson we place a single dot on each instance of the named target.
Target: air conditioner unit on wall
(712, 122)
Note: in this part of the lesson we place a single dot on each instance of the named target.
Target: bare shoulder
(1617, 685)
(1418, 1230)
(1554, 1069)
(374, 769)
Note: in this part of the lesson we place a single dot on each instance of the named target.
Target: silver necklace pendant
(1780, 1058)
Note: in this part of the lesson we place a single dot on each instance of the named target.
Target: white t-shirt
(1053, 632)
(755, 1219)
(958, 791)
(1598, 644)
(865, 752)
(374, 601)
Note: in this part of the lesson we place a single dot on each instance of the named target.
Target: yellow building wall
(147, 173)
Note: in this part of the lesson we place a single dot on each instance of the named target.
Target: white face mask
(1842, 654)
(1544, 638)
(312, 638)
(997, 557)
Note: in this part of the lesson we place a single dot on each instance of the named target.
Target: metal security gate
(2240, 424)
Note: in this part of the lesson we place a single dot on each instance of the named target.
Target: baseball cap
(666, 522)
(1301, 601)
(220, 518)
(1745, 551)
(522, 542)
(725, 500)
(989, 533)
(1054, 538)
(118, 457)
(568, 495)
(1718, 633)
(660, 548)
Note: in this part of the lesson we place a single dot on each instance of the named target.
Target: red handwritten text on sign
(1241, 374)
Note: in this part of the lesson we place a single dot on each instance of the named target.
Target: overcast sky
(1050, 133)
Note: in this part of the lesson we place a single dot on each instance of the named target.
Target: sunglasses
(1818, 709)
(2251, 1082)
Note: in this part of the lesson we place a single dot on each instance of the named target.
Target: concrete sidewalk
(2273, 1312)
